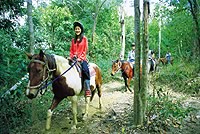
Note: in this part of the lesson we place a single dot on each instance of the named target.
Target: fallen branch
(13, 88)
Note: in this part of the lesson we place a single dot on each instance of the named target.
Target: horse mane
(51, 61)
(123, 61)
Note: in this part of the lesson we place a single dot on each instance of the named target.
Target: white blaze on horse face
(32, 91)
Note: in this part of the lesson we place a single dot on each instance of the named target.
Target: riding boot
(87, 88)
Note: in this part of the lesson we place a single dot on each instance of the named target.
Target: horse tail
(98, 80)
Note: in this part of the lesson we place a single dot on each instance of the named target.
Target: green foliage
(14, 111)
(10, 10)
(54, 24)
(178, 76)
(18, 112)
(53, 31)
(164, 113)
(176, 30)
(11, 60)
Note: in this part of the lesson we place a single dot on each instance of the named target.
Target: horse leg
(125, 81)
(148, 67)
(129, 81)
(54, 104)
(93, 92)
(87, 100)
(99, 94)
(154, 66)
(74, 111)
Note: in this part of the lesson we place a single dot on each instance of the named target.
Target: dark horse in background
(126, 70)
(151, 65)
(66, 83)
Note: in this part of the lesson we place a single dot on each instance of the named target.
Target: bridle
(42, 85)
(46, 70)
(119, 65)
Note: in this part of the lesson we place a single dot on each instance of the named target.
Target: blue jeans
(85, 70)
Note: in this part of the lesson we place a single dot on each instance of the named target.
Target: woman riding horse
(66, 81)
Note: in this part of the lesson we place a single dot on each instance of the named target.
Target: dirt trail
(115, 103)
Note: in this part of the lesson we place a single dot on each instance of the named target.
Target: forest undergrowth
(174, 106)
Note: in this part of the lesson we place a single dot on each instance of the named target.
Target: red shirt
(79, 49)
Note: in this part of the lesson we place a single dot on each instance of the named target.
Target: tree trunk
(140, 83)
(160, 22)
(194, 8)
(122, 21)
(30, 23)
(146, 11)
(138, 116)
(97, 9)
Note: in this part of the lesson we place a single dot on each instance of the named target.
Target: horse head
(116, 66)
(38, 70)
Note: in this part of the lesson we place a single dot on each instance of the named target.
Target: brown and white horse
(126, 70)
(66, 82)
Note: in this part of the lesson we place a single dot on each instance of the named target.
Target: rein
(57, 77)
(45, 79)
(119, 66)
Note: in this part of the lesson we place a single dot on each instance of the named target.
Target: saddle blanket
(92, 71)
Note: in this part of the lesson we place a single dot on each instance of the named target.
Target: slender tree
(140, 85)
(138, 116)
(144, 83)
(30, 24)
(95, 17)
(122, 21)
(194, 9)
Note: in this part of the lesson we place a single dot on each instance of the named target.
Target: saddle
(77, 65)
(79, 68)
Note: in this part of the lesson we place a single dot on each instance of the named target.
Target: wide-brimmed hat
(76, 23)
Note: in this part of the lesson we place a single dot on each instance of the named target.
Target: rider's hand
(74, 58)
(78, 59)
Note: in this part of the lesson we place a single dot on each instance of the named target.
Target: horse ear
(41, 54)
(29, 55)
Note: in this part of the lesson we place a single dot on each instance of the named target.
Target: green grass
(180, 77)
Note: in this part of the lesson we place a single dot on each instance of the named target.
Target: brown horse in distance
(126, 70)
